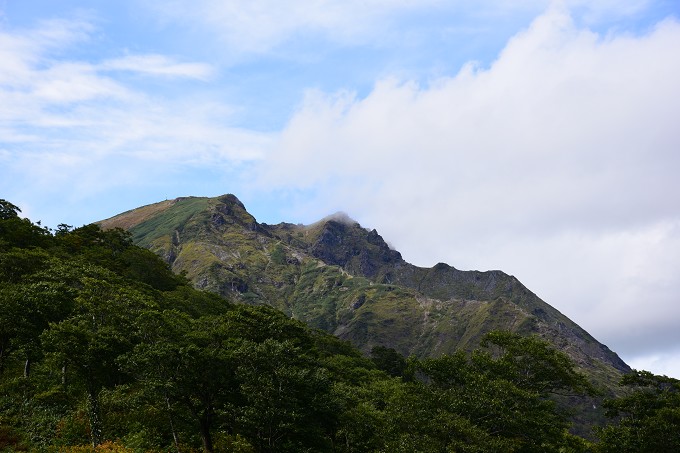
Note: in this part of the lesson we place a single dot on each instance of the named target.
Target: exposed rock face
(366, 254)
(329, 245)
(340, 277)
(353, 248)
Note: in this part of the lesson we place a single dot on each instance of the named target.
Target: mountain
(340, 277)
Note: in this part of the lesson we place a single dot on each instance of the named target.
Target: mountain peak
(231, 200)
(340, 217)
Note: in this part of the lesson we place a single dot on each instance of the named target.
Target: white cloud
(261, 26)
(159, 65)
(66, 121)
(247, 26)
(598, 10)
(667, 364)
(558, 164)
(80, 140)
(66, 83)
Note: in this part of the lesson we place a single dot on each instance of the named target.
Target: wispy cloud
(159, 65)
(81, 99)
(266, 25)
(247, 26)
(73, 114)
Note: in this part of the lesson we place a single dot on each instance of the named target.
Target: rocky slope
(340, 277)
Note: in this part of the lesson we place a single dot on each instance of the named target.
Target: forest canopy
(103, 348)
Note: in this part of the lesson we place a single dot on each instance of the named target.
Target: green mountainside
(345, 279)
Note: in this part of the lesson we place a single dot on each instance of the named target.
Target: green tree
(388, 360)
(17, 232)
(8, 210)
(648, 416)
(156, 360)
(28, 302)
(13, 323)
(506, 393)
(188, 365)
(531, 364)
(246, 371)
(90, 340)
(287, 403)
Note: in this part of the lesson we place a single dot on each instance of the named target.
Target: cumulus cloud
(557, 163)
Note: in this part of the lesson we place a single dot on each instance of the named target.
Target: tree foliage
(647, 416)
(102, 348)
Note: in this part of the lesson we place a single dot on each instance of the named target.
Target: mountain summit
(340, 277)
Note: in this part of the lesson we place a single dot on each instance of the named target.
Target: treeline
(103, 348)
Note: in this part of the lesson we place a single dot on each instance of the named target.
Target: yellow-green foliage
(106, 447)
(168, 221)
(193, 258)
(134, 217)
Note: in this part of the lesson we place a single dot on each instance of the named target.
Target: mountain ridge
(343, 278)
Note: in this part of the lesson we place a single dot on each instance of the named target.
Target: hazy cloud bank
(558, 163)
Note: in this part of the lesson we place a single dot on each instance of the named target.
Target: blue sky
(535, 137)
